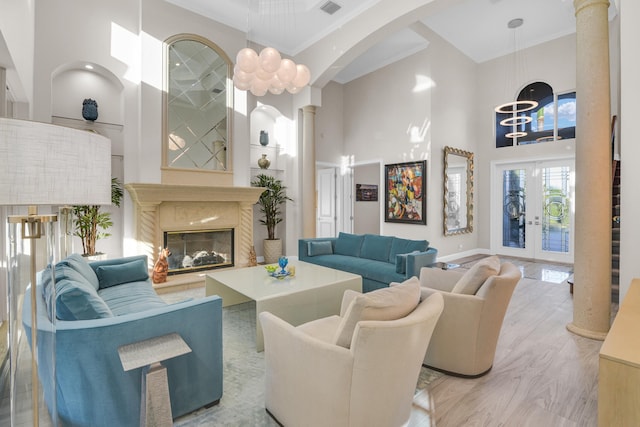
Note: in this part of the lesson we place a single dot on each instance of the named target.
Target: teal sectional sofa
(101, 306)
(380, 260)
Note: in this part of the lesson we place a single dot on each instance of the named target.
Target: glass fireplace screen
(199, 250)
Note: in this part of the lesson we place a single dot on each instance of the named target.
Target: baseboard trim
(458, 255)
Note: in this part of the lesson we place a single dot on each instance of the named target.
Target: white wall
(17, 30)
(367, 214)
(330, 125)
(630, 149)
(390, 115)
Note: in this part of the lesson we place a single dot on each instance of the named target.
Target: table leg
(156, 408)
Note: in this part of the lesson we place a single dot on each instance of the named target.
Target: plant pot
(272, 250)
(95, 257)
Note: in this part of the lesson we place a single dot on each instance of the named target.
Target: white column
(308, 172)
(592, 267)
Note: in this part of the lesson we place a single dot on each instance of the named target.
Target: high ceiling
(478, 28)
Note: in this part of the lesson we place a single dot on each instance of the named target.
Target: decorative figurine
(253, 261)
(161, 268)
(90, 109)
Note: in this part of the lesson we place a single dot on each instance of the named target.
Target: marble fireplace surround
(162, 207)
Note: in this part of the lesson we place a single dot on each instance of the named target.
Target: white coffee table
(313, 292)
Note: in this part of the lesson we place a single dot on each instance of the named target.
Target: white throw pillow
(390, 303)
(471, 281)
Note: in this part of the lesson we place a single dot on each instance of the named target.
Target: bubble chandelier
(268, 72)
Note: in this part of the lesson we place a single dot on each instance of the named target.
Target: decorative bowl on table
(278, 273)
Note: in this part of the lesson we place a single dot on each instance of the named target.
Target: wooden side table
(156, 409)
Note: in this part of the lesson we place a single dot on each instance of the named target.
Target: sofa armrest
(92, 385)
(303, 252)
(415, 261)
(436, 278)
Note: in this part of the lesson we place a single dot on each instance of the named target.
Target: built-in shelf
(274, 170)
(85, 124)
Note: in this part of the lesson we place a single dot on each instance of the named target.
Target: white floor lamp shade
(42, 165)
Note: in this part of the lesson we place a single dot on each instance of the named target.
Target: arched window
(553, 118)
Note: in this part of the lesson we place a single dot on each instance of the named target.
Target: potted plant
(270, 201)
(91, 223)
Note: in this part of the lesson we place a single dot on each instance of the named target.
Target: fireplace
(199, 250)
(188, 208)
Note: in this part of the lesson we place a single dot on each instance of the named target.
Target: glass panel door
(535, 206)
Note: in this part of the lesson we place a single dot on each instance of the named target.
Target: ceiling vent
(330, 7)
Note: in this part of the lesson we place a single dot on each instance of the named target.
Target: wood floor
(543, 375)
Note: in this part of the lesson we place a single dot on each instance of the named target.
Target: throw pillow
(62, 272)
(471, 281)
(116, 274)
(79, 301)
(348, 244)
(376, 247)
(319, 248)
(80, 264)
(382, 304)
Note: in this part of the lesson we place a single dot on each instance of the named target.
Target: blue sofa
(380, 260)
(101, 306)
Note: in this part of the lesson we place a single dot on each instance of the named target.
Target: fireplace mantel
(161, 207)
(157, 193)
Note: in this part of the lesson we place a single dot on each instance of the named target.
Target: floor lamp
(42, 165)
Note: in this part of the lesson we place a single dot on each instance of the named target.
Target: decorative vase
(264, 138)
(264, 162)
(282, 262)
(90, 109)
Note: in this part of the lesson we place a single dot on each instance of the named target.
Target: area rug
(242, 402)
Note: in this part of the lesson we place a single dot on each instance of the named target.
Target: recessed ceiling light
(88, 67)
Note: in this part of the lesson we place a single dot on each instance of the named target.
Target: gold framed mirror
(198, 105)
(457, 191)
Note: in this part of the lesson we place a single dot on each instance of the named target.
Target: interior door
(535, 210)
(326, 209)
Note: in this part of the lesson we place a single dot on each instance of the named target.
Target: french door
(533, 210)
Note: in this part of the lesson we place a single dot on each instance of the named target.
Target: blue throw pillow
(116, 274)
(79, 301)
(80, 264)
(319, 248)
(348, 244)
(376, 247)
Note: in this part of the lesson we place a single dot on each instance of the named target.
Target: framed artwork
(366, 193)
(405, 198)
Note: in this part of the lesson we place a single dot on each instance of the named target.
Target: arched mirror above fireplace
(198, 106)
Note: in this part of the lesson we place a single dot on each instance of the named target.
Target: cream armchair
(313, 381)
(465, 338)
